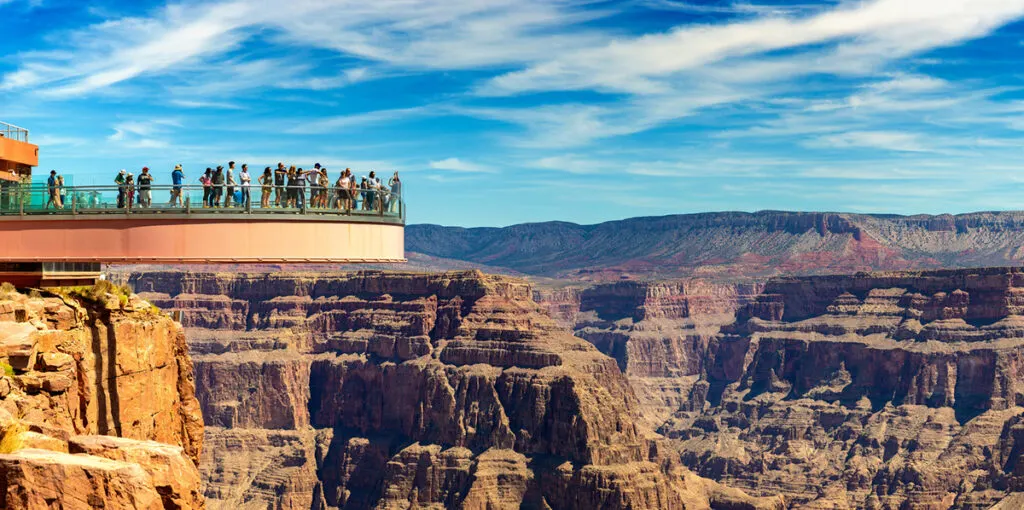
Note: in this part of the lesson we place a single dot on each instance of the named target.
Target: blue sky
(507, 111)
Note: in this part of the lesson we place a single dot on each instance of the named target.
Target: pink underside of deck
(199, 241)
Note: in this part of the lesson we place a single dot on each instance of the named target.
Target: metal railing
(12, 132)
(195, 199)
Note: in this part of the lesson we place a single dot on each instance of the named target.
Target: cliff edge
(97, 404)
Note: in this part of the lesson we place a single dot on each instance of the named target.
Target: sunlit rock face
(98, 408)
(383, 390)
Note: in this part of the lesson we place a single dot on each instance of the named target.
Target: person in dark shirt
(280, 194)
(145, 181)
(218, 186)
(51, 189)
(293, 187)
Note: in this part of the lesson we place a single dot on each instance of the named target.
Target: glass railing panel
(39, 199)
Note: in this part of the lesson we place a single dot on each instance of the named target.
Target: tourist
(374, 192)
(313, 176)
(344, 194)
(51, 191)
(266, 185)
(353, 190)
(145, 186)
(129, 187)
(364, 187)
(280, 193)
(300, 188)
(218, 186)
(207, 180)
(293, 187)
(177, 178)
(121, 192)
(229, 179)
(396, 190)
(244, 178)
(61, 191)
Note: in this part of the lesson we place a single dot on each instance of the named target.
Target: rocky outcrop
(397, 390)
(97, 406)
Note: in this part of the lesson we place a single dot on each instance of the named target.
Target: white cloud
(888, 140)
(458, 165)
(867, 34)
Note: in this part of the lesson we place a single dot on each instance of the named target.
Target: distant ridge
(731, 245)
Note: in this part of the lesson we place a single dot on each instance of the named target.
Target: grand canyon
(725, 389)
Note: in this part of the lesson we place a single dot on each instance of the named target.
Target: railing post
(188, 205)
(74, 205)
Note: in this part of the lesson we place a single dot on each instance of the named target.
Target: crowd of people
(285, 186)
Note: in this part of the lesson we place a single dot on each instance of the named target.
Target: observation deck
(17, 156)
(108, 224)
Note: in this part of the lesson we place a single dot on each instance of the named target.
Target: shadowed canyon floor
(374, 390)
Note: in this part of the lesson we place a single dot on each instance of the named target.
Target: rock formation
(881, 390)
(97, 406)
(412, 390)
(658, 332)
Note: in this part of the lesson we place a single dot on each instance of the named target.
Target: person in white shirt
(246, 180)
(345, 190)
(229, 181)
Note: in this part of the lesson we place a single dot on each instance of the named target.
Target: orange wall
(18, 152)
(171, 240)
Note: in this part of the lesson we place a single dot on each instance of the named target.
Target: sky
(498, 112)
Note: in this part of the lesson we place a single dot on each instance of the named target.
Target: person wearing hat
(122, 193)
(145, 187)
(51, 188)
(177, 178)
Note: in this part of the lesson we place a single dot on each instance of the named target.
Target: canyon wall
(97, 405)
(876, 390)
(411, 390)
(659, 333)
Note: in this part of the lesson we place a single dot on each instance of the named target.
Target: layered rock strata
(881, 390)
(658, 332)
(97, 406)
(409, 390)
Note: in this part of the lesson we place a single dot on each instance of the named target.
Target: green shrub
(7, 369)
(103, 287)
